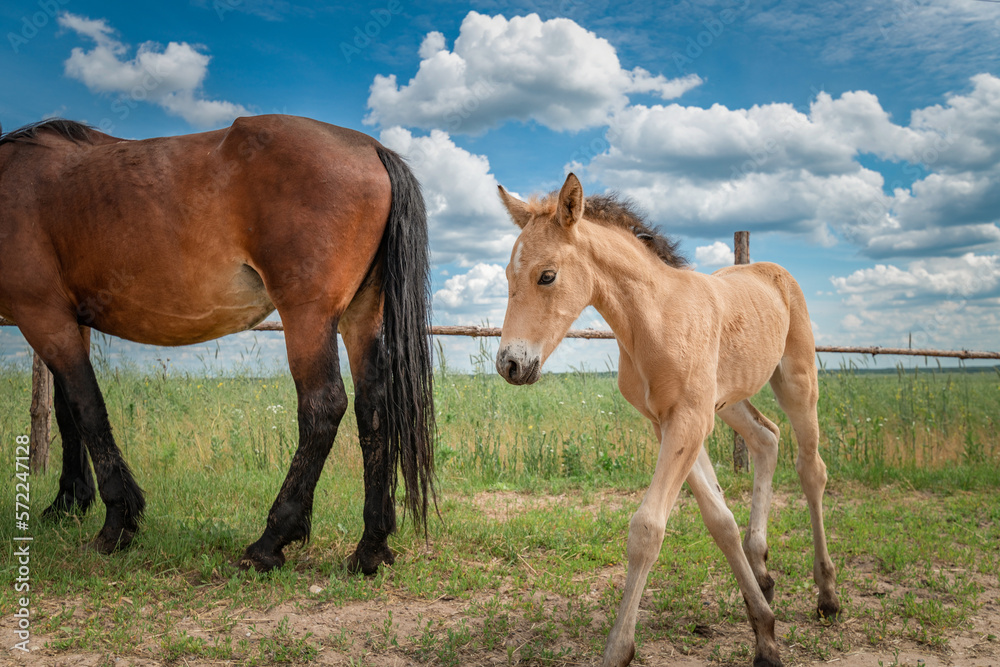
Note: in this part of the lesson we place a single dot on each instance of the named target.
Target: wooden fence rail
(601, 334)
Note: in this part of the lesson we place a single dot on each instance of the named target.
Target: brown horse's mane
(614, 210)
(68, 129)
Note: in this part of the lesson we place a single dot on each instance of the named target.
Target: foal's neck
(629, 278)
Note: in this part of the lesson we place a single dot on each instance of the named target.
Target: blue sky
(859, 142)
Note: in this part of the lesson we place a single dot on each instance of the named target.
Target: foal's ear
(517, 209)
(569, 211)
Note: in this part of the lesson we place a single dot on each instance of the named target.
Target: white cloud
(553, 72)
(944, 303)
(772, 167)
(851, 322)
(466, 220)
(717, 254)
(483, 287)
(170, 77)
(968, 276)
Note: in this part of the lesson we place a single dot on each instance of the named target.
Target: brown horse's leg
(58, 342)
(311, 340)
(76, 484)
(360, 328)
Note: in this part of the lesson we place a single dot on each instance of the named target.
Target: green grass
(536, 487)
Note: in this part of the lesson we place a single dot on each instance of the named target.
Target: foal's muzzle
(516, 366)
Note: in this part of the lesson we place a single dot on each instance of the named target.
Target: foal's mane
(614, 210)
(67, 129)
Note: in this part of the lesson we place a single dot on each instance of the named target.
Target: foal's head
(549, 281)
(551, 272)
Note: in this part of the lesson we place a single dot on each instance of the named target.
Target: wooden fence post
(41, 415)
(741, 459)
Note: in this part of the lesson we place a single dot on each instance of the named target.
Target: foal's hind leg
(56, 337)
(722, 526)
(361, 328)
(76, 484)
(795, 387)
(311, 339)
(761, 436)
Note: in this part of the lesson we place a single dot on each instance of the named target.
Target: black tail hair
(406, 315)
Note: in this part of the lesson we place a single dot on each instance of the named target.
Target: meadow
(525, 563)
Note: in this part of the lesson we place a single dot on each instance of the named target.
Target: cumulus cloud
(554, 72)
(466, 220)
(968, 276)
(717, 254)
(483, 287)
(946, 302)
(170, 77)
(772, 167)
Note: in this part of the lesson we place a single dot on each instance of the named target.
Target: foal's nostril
(512, 370)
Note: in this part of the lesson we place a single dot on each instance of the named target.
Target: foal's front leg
(680, 443)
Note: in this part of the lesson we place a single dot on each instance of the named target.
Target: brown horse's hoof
(256, 559)
(367, 561)
(110, 540)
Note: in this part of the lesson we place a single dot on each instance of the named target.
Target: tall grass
(568, 427)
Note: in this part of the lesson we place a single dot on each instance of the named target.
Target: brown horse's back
(182, 239)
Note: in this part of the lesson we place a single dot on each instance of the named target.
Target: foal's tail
(406, 315)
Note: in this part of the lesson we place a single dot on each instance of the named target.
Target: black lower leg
(76, 483)
(121, 495)
(380, 465)
(320, 412)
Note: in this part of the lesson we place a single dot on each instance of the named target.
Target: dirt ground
(968, 648)
(350, 634)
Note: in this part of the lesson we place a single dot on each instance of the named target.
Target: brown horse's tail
(406, 316)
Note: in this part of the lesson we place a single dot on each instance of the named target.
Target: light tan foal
(691, 346)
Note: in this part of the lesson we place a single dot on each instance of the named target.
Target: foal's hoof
(110, 540)
(618, 658)
(828, 608)
(367, 561)
(257, 559)
(764, 661)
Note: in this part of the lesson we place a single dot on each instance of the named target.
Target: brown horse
(179, 240)
(691, 346)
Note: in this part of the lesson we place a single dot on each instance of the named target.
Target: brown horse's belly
(220, 306)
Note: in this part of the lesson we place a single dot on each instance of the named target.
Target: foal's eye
(547, 278)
